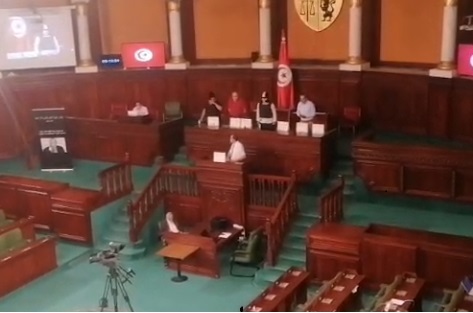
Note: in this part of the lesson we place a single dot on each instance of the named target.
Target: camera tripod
(114, 284)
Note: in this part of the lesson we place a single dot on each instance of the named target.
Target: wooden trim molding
(222, 61)
(188, 31)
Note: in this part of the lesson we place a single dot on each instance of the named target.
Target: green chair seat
(14, 239)
(248, 252)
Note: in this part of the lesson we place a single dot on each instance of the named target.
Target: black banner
(52, 139)
(465, 22)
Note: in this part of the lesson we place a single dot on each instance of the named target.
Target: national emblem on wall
(318, 14)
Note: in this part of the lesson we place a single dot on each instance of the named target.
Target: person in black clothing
(266, 114)
(213, 108)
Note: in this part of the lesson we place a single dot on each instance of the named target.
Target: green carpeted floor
(78, 285)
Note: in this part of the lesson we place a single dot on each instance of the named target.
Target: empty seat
(14, 239)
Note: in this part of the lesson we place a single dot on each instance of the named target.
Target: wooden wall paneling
(428, 181)
(322, 87)
(87, 99)
(371, 30)
(382, 260)
(187, 211)
(444, 267)
(113, 89)
(279, 24)
(380, 176)
(263, 80)
(349, 90)
(396, 102)
(462, 110)
(463, 185)
(9, 123)
(440, 95)
(149, 90)
(175, 89)
(94, 30)
(188, 31)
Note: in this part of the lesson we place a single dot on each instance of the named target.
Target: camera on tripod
(108, 257)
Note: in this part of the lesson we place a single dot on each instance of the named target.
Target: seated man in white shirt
(171, 225)
(236, 153)
(139, 110)
(305, 109)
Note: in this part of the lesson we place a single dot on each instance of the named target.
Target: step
(269, 274)
(117, 236)
(295, 243)
(295, 229)
(122, 219)
(120, 227)
(302, 221)
(285, 264)
(293, 255)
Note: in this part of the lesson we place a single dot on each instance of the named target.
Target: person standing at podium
(213, 109)
(236, 153)
(305, 109)
(266, 114)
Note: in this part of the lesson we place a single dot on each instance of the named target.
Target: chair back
(254, 243)
(14, 237)
(118, 110)
(457, 297)
(172, 110)
(352, 114)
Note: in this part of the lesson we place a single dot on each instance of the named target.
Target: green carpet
(78, 285)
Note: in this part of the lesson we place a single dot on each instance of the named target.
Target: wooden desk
(338, 295)
(267, 152)
(410, 290)
(374, 249)
(205, 261)
(178, 253)
(284, 295)
(414, 169)
(22, 197)
(71, 209)
(466, 305)
(109, 140)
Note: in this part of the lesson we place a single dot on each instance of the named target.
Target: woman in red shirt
(237, 107)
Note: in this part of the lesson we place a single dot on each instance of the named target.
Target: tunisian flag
(285, 85)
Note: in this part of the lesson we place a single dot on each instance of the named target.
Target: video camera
(108, 257)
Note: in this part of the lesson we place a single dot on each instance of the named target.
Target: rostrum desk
(223, 190)
(268, 152)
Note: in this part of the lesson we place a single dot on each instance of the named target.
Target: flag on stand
(285, 85)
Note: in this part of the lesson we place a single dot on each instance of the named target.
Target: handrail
(168, 180)
(276, 227)
(116, 181)
(331, 203)
(266, 190)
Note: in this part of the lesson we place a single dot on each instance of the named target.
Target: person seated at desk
(138, 110)
(237, 107)
(213, 108)
(236, 153)
(266, 114)
(170, 224)
(305, 109)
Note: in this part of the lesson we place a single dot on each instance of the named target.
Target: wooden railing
(116, 181)
(169, 179)
(331, 203)
(277, 226)
(266, 190)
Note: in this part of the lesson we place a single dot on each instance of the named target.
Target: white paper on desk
(236, 226)
(302, 128)
(220, 157)
(246, 123)
(213, 122)
(224, 235)
(282, 127)
(318, 130)
(235, 122)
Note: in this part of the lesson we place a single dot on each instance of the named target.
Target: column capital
(263, 4)
(356, 3)
(174, 5)
(451, 3)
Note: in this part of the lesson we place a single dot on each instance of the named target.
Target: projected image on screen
(39, 39)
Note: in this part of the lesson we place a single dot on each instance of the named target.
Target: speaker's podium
(223, 190)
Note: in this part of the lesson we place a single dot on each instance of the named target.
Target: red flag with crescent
(285, 84)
